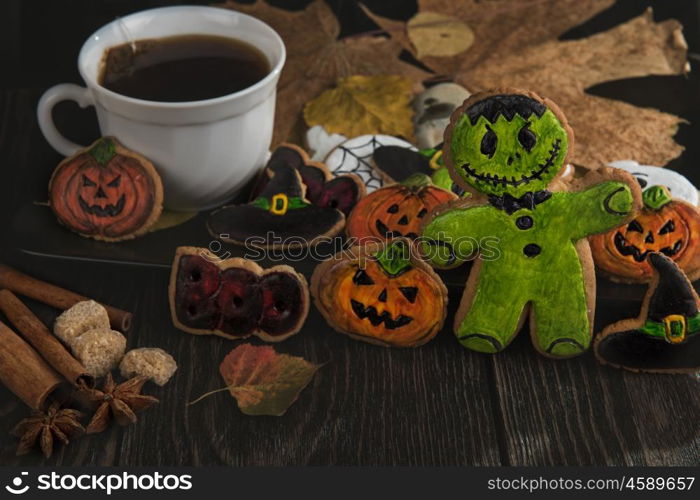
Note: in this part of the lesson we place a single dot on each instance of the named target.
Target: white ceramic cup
(205, 150)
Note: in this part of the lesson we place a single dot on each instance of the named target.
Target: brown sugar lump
(151, 362)
(99, 350)
(82, 317)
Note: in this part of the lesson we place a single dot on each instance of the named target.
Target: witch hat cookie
(281, 216)
(322, 187)
(665, 338)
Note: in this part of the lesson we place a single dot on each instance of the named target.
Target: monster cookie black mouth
(103, 211)
(537, 174)
(370, 313)
(627, 249)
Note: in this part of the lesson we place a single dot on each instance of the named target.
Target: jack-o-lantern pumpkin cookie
(666, 225)
(106, 192)
(665, 338)
(396, 210)
(235, 298)
(508, 147)
(281, 216)
(322, 188)
(381, 294)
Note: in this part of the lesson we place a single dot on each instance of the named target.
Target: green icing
(657, 329)
(441, 178)
(395, 258)
(656, 197)
(293, 203)
(524, 168)
(103, 151)
(551, 283)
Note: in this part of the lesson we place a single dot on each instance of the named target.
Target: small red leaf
(263, 381)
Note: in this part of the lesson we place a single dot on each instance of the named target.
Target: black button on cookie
(532, 250)
(524, 222)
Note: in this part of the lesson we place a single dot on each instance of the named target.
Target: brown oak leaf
(317, 58)
(516, 45)
(263, 381)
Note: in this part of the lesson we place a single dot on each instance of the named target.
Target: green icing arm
(599, 208)
(452, 238)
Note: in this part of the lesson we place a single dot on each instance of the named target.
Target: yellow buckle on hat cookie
(279, 204)
(675, 326)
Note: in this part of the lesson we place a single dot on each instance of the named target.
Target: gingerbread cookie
(646, 175)
(235, 298)
(280, 217)
(381, 294)
(396, 210)
(665, 225)
(322, 188)
(665, 338)
(354, 156)
(507, 147)
(106, 192)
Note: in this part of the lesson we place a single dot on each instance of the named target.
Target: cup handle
(56, 94)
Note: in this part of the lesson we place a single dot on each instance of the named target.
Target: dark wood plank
(577, 412)
(367, 405)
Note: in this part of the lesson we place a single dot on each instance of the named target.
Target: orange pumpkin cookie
(106, 192)
(396, 210)
(665, 225)
(381, 294)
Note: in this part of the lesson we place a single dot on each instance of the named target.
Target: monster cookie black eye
(527, 137)
(488, 143)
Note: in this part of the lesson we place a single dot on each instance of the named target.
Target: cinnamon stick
(55, 296)
(23, 371)
(36, 333)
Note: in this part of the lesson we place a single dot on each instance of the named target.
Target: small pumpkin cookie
(235, 298)
(396, 210)
(106, 192)
(665, 338)
(381, 294)
(666, 225)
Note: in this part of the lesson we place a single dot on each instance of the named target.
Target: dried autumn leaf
(605, 129)
(317, 59)
(434, 34)
(516, 45)
(362, 105)
(263, 381)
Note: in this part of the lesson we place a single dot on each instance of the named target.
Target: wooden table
(439, 404)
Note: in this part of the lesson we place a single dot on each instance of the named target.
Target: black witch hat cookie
(322, 188)
(280, 216)
(665, 338)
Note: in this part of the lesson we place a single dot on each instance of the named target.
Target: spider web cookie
(354, 156)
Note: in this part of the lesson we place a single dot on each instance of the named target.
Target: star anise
(54, 424)
(121, 402)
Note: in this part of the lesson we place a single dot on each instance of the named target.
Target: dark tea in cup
(182, 68)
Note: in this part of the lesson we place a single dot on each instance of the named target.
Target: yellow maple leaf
(364, 105)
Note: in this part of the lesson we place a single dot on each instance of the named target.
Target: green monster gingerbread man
(507, 148)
